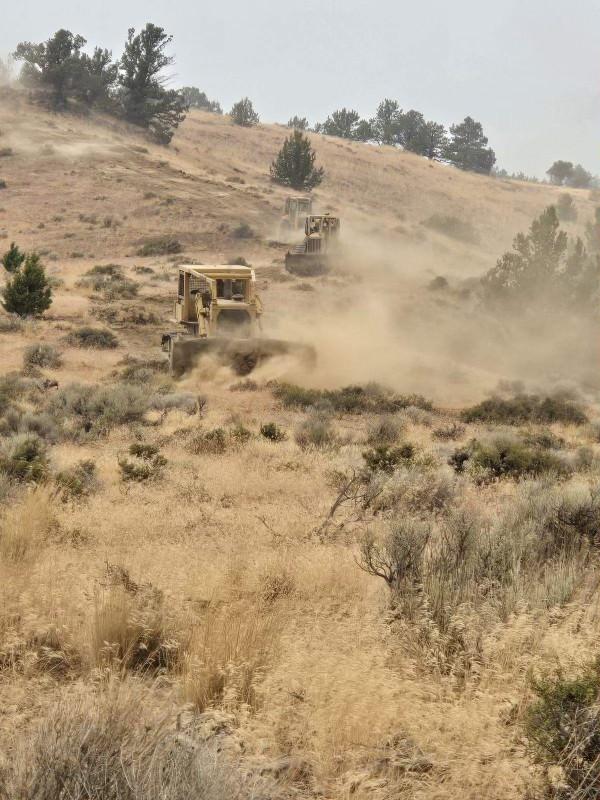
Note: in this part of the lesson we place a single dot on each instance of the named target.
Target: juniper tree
(13, 258)
(295, 163)
(243, 113)
(27, 292)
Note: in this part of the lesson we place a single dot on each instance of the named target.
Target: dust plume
(381, 321)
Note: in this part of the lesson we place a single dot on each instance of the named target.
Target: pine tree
(468, 149)
(342, 123)
(535, 267)
(298, 123)
(385, 124)
(28, 292)
(560, 171)
(295, 163)
(13, 258)
(54, 65)
(144, 99)
(243, 113)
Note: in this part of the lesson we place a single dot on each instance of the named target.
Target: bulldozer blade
(242, 355)
(307, 264)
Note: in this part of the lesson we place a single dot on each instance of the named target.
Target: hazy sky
(529, 70)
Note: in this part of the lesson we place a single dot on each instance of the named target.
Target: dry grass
(228, 593)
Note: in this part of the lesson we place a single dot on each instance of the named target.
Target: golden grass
(218, 588)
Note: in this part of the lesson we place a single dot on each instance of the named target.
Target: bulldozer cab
(323, 225)
(218, 300)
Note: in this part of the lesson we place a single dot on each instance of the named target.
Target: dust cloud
(379, 320)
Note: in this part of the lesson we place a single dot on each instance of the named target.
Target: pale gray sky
(527, 69)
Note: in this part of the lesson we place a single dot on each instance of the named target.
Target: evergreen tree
(435, 140)
(13, 258)
(411, 131)
(385, 123)
(343, 123)
(54, 66)
(143, 97)
(295, 163)
(536, 266)
(468, 149)
(579, 178)
(194, 98)
(243, 113)
(363, 131)
(560, 171)
(28, 292)
(98, 78)
(298, 123)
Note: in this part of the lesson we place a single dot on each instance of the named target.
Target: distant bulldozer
(295, 212)
(313, 256)
(219, 311)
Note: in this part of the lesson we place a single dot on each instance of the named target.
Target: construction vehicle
(313, 256)
(219, 314)
(295, 212)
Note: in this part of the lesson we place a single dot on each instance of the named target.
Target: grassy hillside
(189, 570)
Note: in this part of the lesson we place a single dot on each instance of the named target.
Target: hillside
(88, 191)
(187, 562)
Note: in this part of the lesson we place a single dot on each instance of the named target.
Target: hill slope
(184, 565)
(90, 190)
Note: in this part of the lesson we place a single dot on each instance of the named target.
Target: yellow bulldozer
(295, 212)
(218, 314)
(314, 255)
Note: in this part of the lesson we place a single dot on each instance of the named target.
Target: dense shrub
(315, 431)
(563, 728)
(160, 246)
(23, 457)
(92, 338)
(16, 420)
(78, 481)
(544, 438)
(147, 464)
(213, 442)
(384, 458)
(87, 410)
(386, 430)
(272, 432)
(504, 456)
(526, 408)
(42, 355)
(110, 281)
(371, 398)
